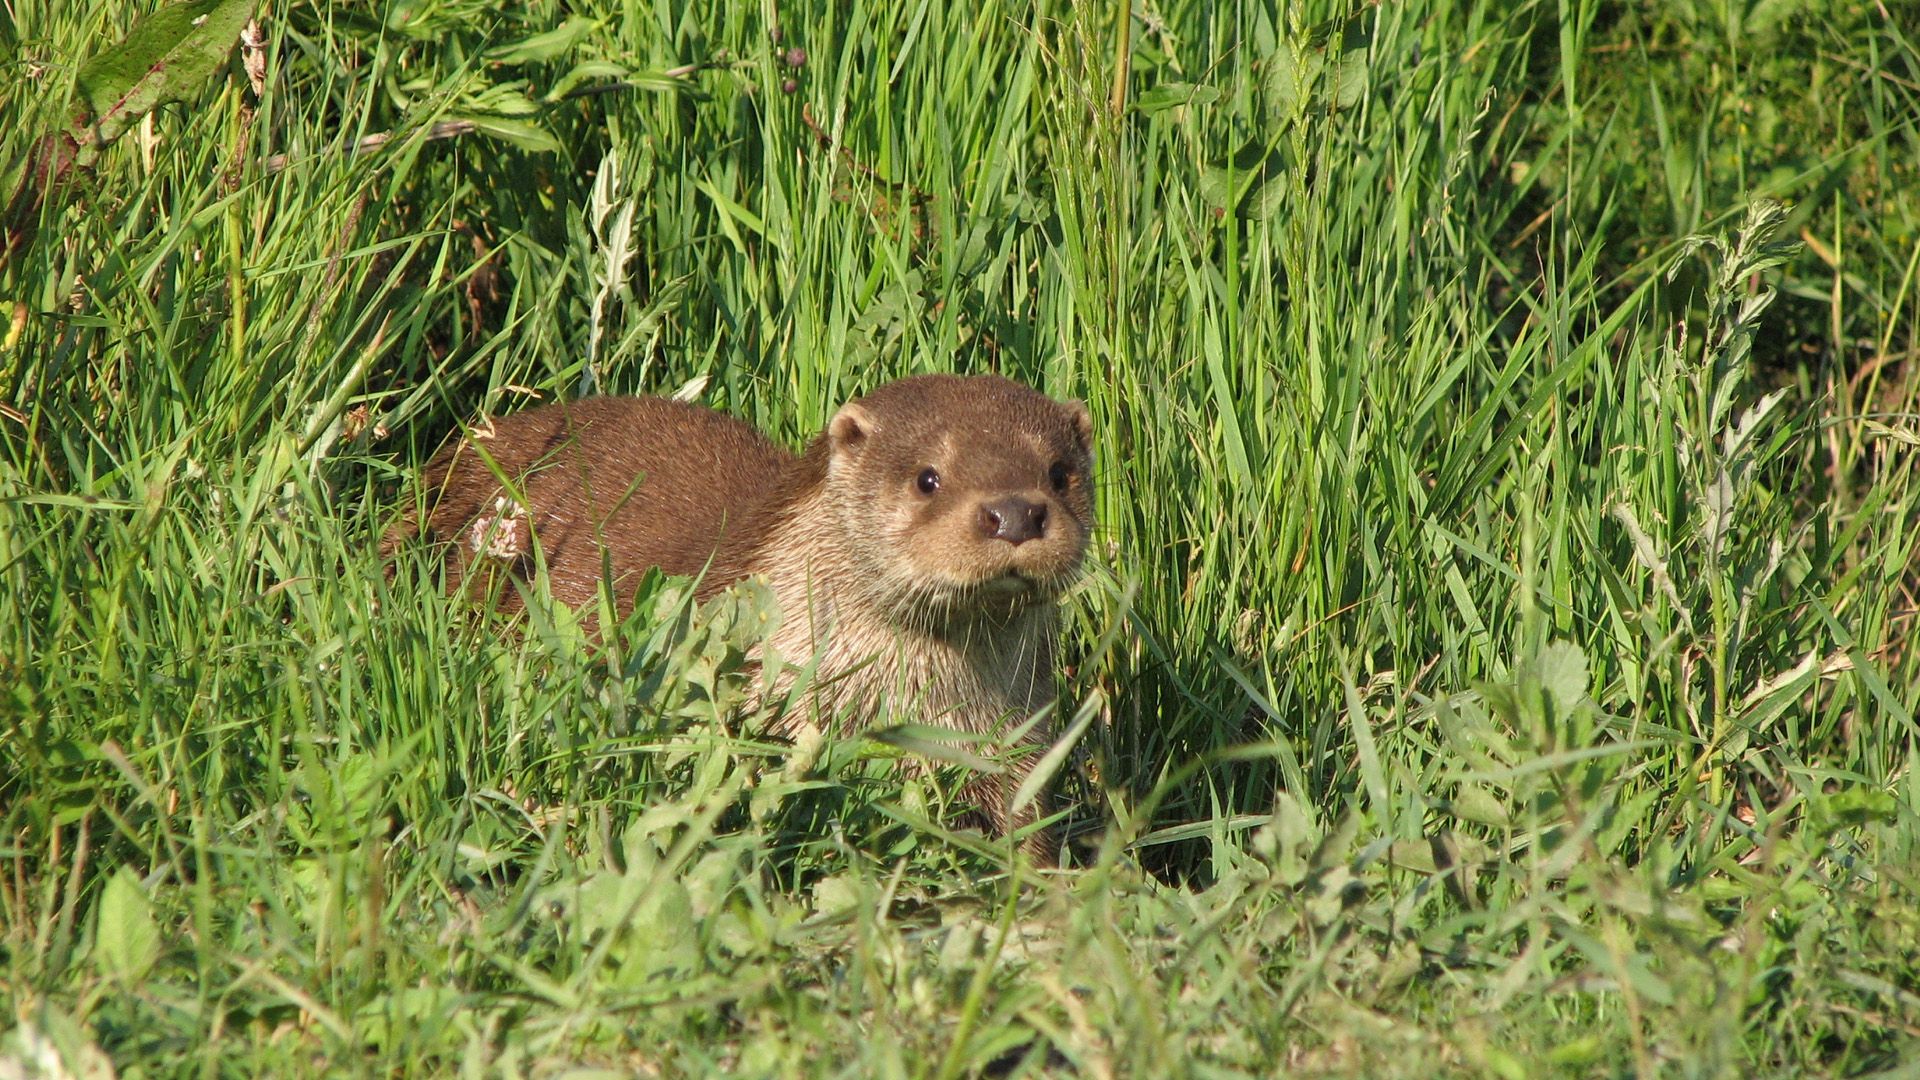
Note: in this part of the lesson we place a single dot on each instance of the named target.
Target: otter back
(631, 482)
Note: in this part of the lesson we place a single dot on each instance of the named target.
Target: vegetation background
(1499, 659)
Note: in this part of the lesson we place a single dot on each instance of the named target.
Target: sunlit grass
(1499, 632)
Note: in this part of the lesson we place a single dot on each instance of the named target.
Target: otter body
(916, 548)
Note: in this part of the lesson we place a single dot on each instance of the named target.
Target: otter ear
(1082, 421)
(850, 428)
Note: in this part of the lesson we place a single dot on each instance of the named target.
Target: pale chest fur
(981, 677)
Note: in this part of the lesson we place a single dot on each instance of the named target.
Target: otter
(917, 547)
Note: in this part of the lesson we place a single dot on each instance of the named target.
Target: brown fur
(913, 603)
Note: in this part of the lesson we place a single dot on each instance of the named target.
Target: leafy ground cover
(1498, 654)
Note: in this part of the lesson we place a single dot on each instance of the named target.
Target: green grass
(1499, 646)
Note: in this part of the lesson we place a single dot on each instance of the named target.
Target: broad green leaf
(502, 99)
(1349, 81)
(1287, 84)
(1173, 95)
(1271, 197)
(524, 134)
(1563, 674)
(544, 46)
(1853, 806)
(165, 58)
(126, 940)
(839, 894)
(592, 69)
(1217, 186)
(1502, 1064)
(1473, 802)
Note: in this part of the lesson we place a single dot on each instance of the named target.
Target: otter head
(973, 496)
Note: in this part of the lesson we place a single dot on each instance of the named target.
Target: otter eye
(1057, 476)
(928, 481)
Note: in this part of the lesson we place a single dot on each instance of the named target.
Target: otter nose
(1013, 519)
